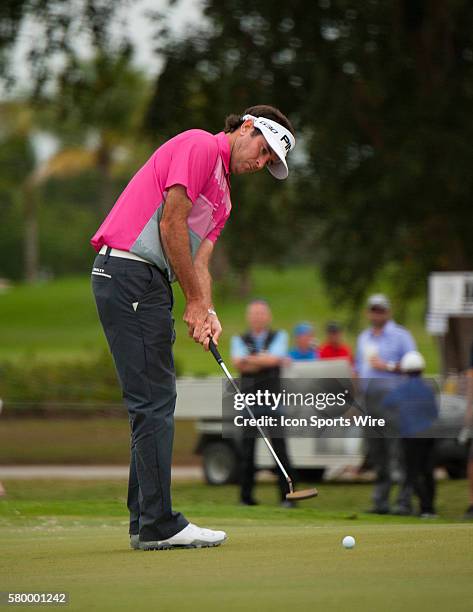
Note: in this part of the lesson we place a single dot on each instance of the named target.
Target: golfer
(163, 228)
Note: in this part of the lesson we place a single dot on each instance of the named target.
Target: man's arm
(241, 358)
(246, 365)
(407, 343)
(240, 355)
(175, 237)
(273, 357)
(201, 266)
(256, 363)
(264, 360)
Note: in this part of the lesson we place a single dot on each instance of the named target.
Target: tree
(58, 25)
(92, 107)
(99, 104)
(191, 92)
(381, 93)
(17, 162)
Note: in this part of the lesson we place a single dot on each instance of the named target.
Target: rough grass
(57, 320)
(81, 441)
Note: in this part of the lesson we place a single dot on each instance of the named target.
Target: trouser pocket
(134, 304)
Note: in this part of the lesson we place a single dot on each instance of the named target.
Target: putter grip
(214, 351)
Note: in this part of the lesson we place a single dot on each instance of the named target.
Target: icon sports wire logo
(336, 407)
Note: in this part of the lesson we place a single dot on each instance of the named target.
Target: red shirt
(329, 351)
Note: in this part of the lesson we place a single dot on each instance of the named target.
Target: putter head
(305, 494)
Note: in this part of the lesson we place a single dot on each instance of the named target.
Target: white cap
(379, 300)
(279, 139)
(412, 362)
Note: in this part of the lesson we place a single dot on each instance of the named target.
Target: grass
(57, 320)
(81, 441)
(71, 536)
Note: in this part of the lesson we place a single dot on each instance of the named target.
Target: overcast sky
(138, 26)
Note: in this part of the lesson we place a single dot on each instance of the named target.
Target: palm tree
(95, 117)
(100, 105)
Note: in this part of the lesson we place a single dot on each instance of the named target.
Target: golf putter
(293, 495)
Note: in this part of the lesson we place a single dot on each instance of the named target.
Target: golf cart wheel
(220, 463)
(456, 469)
(311, 474)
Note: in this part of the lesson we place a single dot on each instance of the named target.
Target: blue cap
(303, 328)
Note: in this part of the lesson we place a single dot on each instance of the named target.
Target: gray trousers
(383, 450)
(134, 303)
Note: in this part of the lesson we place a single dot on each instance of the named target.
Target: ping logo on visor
(285, 138)
(279, 138)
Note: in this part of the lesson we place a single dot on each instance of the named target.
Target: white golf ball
(348, 542)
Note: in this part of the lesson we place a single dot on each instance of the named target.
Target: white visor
(279, 139)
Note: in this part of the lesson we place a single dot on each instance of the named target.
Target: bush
(41, 384)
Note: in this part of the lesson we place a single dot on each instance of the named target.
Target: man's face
(378, 316)
(334, 337)
(305, 342)
(258, 316)
(250, 153)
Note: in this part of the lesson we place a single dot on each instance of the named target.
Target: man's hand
(377, 363)
(196, 317)
(385, 366)
(215, 330)
(201, 324)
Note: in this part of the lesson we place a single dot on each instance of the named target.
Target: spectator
(416, 407)
(334, 347)
(380, 349)
(304, 349)
(258, 355)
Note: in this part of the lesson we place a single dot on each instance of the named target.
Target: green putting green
(72, 536)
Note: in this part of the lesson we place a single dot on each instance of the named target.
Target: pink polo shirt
(195, 159)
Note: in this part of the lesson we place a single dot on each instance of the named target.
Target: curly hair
(233, 122)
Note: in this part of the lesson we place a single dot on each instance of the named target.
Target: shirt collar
(224, 149)
(261, 335)
(387, 327)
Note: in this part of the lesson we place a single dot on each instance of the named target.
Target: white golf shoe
(190, 537)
